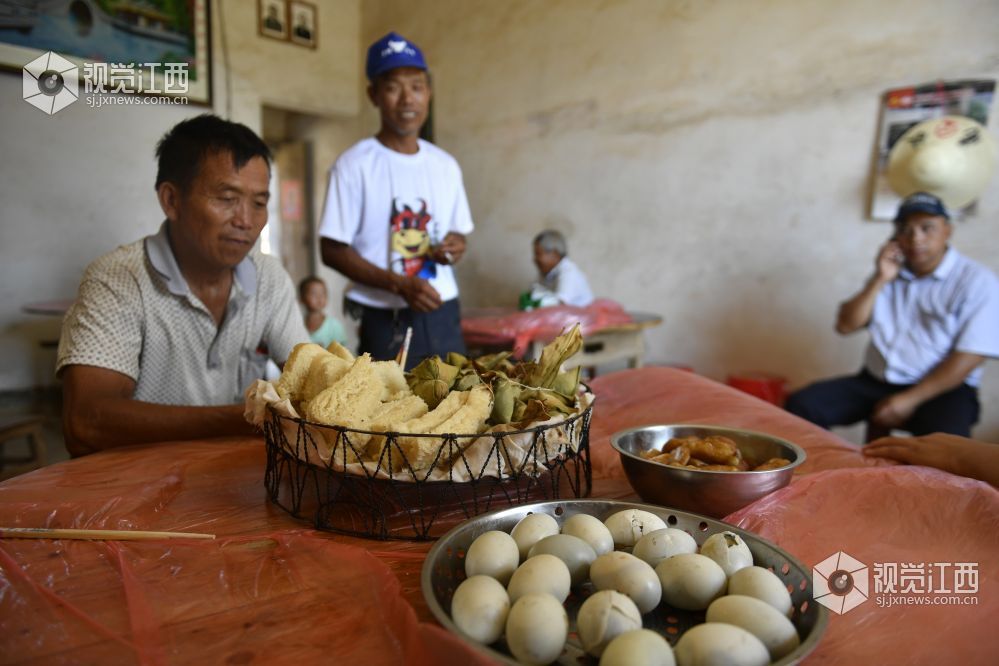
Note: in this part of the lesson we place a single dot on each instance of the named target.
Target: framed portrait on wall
(156, 47)
(303, 23)
(272, 19)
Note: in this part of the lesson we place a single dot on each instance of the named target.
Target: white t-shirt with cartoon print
(391, 208)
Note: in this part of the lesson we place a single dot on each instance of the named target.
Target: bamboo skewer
(404, 350)
(97, 535)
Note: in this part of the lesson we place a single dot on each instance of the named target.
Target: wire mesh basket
(313, 472)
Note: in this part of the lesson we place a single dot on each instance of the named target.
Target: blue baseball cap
(391, 51)
(920, 202)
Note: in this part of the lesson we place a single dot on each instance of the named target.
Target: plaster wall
(76, 184)
(709, 161)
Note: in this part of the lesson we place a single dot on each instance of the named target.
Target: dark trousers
(383, 332)
(847, 400)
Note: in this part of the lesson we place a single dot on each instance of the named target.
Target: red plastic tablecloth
(271, 590)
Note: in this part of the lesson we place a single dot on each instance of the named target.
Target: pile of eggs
(517, 583)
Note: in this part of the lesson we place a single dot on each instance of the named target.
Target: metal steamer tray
(444, 570)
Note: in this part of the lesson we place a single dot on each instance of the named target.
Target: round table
(271, 589)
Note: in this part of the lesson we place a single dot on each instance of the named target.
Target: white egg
(628, 575)
(603, 616)
(762, 584)
(493, 553)
(543, 574)
(717, 643)
(591, 530)
(760, 619)
(656, 546)
(573, 551)
(690, 581)
(479, 608)
(641, 647)
(536, 629)
(728, 550)
(531, 529)
(630, 525)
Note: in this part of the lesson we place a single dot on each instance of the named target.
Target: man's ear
(169, 196)
(371, 94)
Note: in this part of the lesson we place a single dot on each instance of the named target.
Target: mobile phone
(897, 255)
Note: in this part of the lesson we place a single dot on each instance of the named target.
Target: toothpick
(404, 352)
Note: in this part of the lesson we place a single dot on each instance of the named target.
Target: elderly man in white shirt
(933, 316)
(561, 282)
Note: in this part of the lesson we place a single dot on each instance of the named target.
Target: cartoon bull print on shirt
(411, 240)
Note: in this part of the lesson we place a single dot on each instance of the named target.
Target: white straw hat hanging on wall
(952, 157)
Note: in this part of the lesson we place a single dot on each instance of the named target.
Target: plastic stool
(764, 385)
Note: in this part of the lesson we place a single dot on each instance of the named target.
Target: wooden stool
(23, 426)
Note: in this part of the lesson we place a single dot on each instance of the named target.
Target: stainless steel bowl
(444, 569)
(712, 493)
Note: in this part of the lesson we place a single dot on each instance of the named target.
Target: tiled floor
(46, 403)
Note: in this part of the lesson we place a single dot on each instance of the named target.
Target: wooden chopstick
(97, 535)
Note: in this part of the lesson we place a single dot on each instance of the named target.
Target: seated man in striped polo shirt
(167, 332)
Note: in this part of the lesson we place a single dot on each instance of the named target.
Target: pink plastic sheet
(874, 510)
(266, 591)
(271, 590)
(908, 516)
(505, 326)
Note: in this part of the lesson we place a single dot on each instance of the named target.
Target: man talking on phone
(933, 317)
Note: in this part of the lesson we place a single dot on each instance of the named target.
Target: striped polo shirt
(136, 315)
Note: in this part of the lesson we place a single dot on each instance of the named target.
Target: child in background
(322, 329)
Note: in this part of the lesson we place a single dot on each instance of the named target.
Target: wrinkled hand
(450, 250)
(894, 410)
(419, 295)
(938, 450)
(889, 261)
(951, 453)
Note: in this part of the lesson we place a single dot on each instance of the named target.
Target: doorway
(290, 235)
(293, 177)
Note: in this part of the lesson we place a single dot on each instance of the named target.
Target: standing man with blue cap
(396, 216)
(933, 316)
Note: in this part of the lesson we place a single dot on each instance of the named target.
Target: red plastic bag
(503, 326)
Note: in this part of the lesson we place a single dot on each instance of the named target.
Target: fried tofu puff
(296, 370)
(326, 370)
(392, 412)
(473, 408)
(350, 402)
(394, 380)
(339, 350)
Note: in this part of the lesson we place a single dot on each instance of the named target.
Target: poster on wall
(901, 108)
(153, 47)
